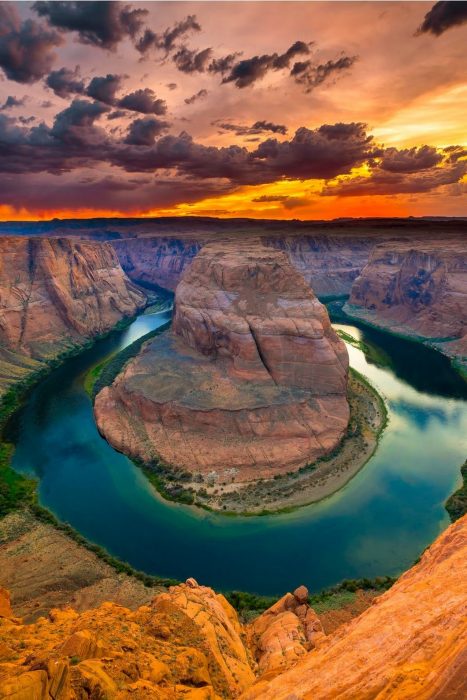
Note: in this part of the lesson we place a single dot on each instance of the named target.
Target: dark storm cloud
(167, 40)
(144, 101)
(26, 48)
(104, 88)
(117, 114)
(249, 70)
(12, 101)
(442, 16)
(311, 75)
(223, 64)
(143, 132)
(200, 95)
(258, 127)
(75, 124)
(65, 82)
(102, 24)
(410, 160)
(188, 61)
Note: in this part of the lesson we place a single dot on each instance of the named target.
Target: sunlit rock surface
(189, 643)
(250, 381)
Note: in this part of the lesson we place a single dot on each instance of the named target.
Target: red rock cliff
(55, 293)
(417, 289)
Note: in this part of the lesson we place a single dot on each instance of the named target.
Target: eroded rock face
(56, 293)
(53, 290)
(411, 643)
(250, 381)
(284, 633)
(417, 289)
(187, 643)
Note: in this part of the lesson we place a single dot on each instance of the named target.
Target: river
(377, 525)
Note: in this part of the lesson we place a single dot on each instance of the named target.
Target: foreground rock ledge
(189, 644)
(250, 381)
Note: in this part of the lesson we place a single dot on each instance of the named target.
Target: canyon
(54, 295)
(188, 642)
(419, 291)
(250, 382)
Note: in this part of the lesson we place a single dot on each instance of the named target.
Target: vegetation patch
(456, 505)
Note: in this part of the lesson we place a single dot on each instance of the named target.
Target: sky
(284, 110)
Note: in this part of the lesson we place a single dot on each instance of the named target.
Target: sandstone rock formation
(411, 643)
(250, 381)
(284, 633)
(418, 290)
(55, 293)
(187, 644)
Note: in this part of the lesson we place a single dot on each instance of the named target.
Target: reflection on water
(378, 524)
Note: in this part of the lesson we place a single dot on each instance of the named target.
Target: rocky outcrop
(188, 643)
(284, 633)
(418, 290)
(411, 643)
(54, 294)
(251, 380)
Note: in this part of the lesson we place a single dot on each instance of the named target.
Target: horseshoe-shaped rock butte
(249, 382)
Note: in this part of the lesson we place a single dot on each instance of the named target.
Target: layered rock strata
(56, 293)
(411, 643)
(188, 643)
(250, 381)
(420, 291)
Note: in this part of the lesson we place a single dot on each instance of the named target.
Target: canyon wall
(188, 643)
(156, 261)
(329, 264)
(54, 294)
(251, 380)
(420, 291)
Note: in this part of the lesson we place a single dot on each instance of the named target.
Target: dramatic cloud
(200, 95)
(102, 24)
(12, 101)
(26, 48)
(104, 88)
(311, 75)
(167, 40)
(444, 15)
(258, 127)
(144, 101)
(381, 182)
(65, 82)
(143, 132)
(188, 61)
(75, 125)
(249, 70)
(410, 160)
